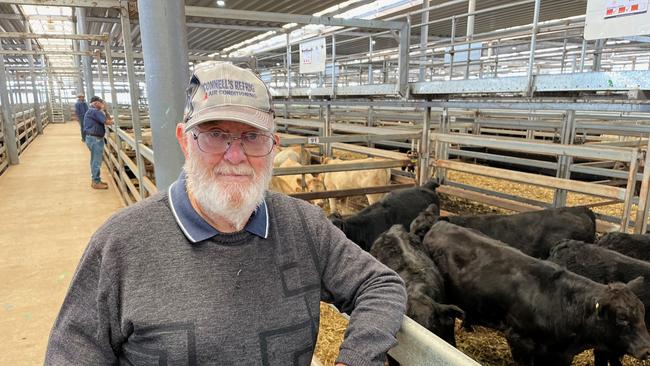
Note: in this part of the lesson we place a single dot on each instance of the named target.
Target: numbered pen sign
(617, 8)
(312, 56)
(312, 140)
(616, 19)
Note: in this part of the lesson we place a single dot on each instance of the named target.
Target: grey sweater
(145, 295)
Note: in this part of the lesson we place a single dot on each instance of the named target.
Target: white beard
(234, 202)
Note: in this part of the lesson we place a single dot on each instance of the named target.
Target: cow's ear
(636, 284)
(299, 181)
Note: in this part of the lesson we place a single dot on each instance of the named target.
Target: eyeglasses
(218, 142)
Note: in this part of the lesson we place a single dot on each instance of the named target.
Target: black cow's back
(535, 232)
(399, 207)
(633, 245)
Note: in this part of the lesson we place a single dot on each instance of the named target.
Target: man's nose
(235, 153)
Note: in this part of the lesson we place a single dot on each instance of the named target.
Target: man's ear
(181, 137)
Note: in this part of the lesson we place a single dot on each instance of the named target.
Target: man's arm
(86, 328)
(357, 284)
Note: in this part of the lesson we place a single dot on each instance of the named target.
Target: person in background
(217, 270)
(94, 128)
(80, 109)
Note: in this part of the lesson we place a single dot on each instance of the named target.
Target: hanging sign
(312, 56)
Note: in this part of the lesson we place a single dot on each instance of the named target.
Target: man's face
(229, 184)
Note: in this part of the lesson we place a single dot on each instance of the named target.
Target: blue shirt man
(93, 127)
(80, 109)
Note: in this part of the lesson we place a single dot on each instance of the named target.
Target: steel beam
(9, 127)
(40, 52)
(232, 14)
(24, 35)
(77, 3)
(166, 72)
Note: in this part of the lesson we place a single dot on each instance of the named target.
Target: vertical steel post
(167, 73)
(334, 77)
(629, 190)
(83, 46)
(37, 111)
(9, 125)
(48, 88)
(471, 8)
(370, 50)
(403, 62)
(598, 54)
(641, 220)
(564, 161)
(533, 45)
(424, 153)
(583, 55)
(327, 130)
(424, 40)
(563, 54)
(98, 58)
(133, 92)
(116, 116)
(288, 66)
(452, 52)
(77, 59)
(443, 147)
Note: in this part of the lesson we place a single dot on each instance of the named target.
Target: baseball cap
(221, 91)
(96, 99)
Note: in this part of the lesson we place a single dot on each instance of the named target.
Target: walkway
(47, 213)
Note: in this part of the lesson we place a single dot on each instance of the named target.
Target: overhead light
(221, 3)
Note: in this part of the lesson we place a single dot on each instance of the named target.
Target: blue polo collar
(195, 228)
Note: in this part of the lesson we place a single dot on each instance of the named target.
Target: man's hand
(109, 122)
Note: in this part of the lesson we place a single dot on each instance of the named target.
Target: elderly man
(80, 109)
(217, 270)
(95, 121)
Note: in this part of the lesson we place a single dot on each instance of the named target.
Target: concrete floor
(47, 214)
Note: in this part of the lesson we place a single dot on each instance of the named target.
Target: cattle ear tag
(597, 305)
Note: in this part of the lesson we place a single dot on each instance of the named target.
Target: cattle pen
(510, 106)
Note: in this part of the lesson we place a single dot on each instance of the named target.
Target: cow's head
(425, 219)
(620, 316)
(315, 184)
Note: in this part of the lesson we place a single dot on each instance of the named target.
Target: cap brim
(250, 116)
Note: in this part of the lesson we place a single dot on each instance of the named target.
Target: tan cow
(294, 153)
(289, 183)
(349, 180)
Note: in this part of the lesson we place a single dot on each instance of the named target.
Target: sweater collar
(195, 228)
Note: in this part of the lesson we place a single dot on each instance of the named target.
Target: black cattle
(535, 232)
(604, 266)
(633, 245)
(547, 314)
(422, 223)
(403, 253)
(399, 207)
